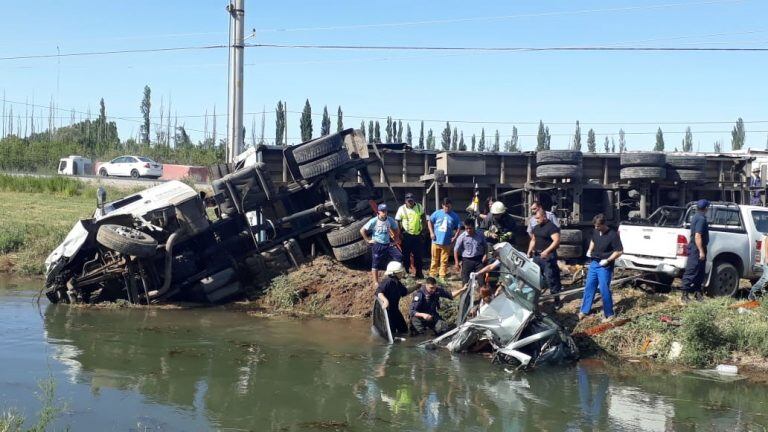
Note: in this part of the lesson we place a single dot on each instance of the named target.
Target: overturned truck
(511, 327)
(171, 243)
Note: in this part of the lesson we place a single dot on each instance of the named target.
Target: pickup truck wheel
(346, 234)
(686, 162)
(686, 175)
(559, 157)
(572, 237)
(569, 251)
(351, 251)
(644, 159)
(725, 281)
(126, 240)
(324, 165)
(643, 173)
(316, 149)
(558, 171)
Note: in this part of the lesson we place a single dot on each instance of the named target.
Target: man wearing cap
(382, 242)
(389, 292)
(425, 305)
(755, 185)
(443, 229)
(412, 220)
(693, 276)
(499, 226)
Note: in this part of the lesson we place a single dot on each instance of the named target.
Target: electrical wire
(502, 49)
(100, 53)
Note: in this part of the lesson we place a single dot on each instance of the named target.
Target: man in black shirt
(693, 276)
(389, 293)
(543, 248)
(426, 302)
(604, 248)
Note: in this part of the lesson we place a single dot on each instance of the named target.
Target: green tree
(455, 139)
(399, 131)
(325, 125)
(305, 123)
(547, 138)
(421, 136)
(389, 129)
(514, 145)
(622, 141)
(339, 120)
(591, 143)
(613, 145)
(718, 146)
(481, 143)
(577, 138)
(409, 135)
(279, 123)
(541, 137)
(146, 105)
(430, 140)
(688, 140)
(462, 145)
(377, 132)
(607, 145)
(445, 143)
(182, 138)
(659, 141)
(362, 127)
(371, 137)
(474, 143)
(738, 135)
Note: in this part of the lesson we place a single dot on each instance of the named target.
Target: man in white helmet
(389, 293)
(499, 226)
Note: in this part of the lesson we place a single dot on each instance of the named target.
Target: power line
(100, 53)
(501, 49)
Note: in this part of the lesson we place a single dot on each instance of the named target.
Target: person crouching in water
(604, 248)
(426, 302)
(389, 293)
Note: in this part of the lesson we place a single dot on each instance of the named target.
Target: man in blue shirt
(470, 252)
(425, 305)
(384, 234)
(693, 276)
(443, 229)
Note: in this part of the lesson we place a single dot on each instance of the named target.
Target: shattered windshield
(520, 277)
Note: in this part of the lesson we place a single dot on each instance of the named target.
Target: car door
(113, 166)
(129, 165)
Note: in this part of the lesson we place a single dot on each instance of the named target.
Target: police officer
(755, 185)
(499, 225)
(543, 248)
(389, 293)
(693, 276)
(426, 301)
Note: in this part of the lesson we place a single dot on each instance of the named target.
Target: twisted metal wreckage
(512, 325)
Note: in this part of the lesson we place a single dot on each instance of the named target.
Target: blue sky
(604, 90)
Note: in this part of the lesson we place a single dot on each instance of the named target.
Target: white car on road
(134, 166)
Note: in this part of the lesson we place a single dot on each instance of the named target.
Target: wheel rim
(130, 233)
(103, 172)
(134, 174)
(726, 282)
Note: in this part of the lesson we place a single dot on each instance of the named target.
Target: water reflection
(234, 371)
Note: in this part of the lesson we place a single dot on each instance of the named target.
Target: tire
(319, 148)
(559, 157)
(686, 175)
(324, 165)
(686, 162)
(643, 173)
(566, 251)
(135, 174)
(725, 281)
(571, 237)
(126, 240)
(644, 159)
(103, 172)
(346, 234)
(351, 251)
(558, 171)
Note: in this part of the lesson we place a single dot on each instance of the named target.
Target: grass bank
(37, 213)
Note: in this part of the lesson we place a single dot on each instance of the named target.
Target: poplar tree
(462, 145)
(541, 137)
(513, 142)
(577, 138)
(687, 144)
(400, 131)
(738, 135)
(474, 143)
(409, 135)
(591, 143)
(279, 123)
(613, 145)
(325, 126)
(718, 147)
(659, 146)
(607, 145)
(146, 105)
(445, 142)
(377, 133)
(362, 127)
(421, 136)
(389, 129)
(481, 143)
(547, 138)
(339, 120)
(496, 142)
(455, 139)
(305, 124)
(430, 140)
(371, 138)
(622, 141)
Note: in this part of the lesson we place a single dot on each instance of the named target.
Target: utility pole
(235, 139)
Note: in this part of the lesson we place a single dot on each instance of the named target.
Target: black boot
(698, 296)
(685, 298)
(558, 303)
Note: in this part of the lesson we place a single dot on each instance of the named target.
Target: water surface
(212, 369)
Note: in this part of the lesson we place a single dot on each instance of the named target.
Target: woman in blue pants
(604, 248)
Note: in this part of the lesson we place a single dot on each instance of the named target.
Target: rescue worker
(470, 252)
(755, 185)
(426, 302)
(535, 207)
(383, 249)
(604, 248)
(543, 248)
(389, 293)
(693, 276)
(443, 229)
(492, 267)
(499, 226)
(412, 220)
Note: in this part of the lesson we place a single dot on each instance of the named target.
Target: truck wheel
(569, 251)
(346, 234)
(644, 159)
(558, 171)
(725, 281)
(351, 251)
(559, 157)
(316, 149)
(126, 240)
(103, 172)
(134, 174)
(643, 173)
(324, 165)
(686, 162)
(686, 175)
(571, 236)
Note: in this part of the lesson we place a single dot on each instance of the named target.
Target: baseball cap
(702, 203)
(382, 207)
(756, 169)
(409, 196)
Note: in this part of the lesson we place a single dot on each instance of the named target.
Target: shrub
(11, 238)
(703, 341)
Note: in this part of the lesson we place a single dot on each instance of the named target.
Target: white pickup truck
(660, 244)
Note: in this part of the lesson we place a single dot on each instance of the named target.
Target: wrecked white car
(171, 243)
(511, 327)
